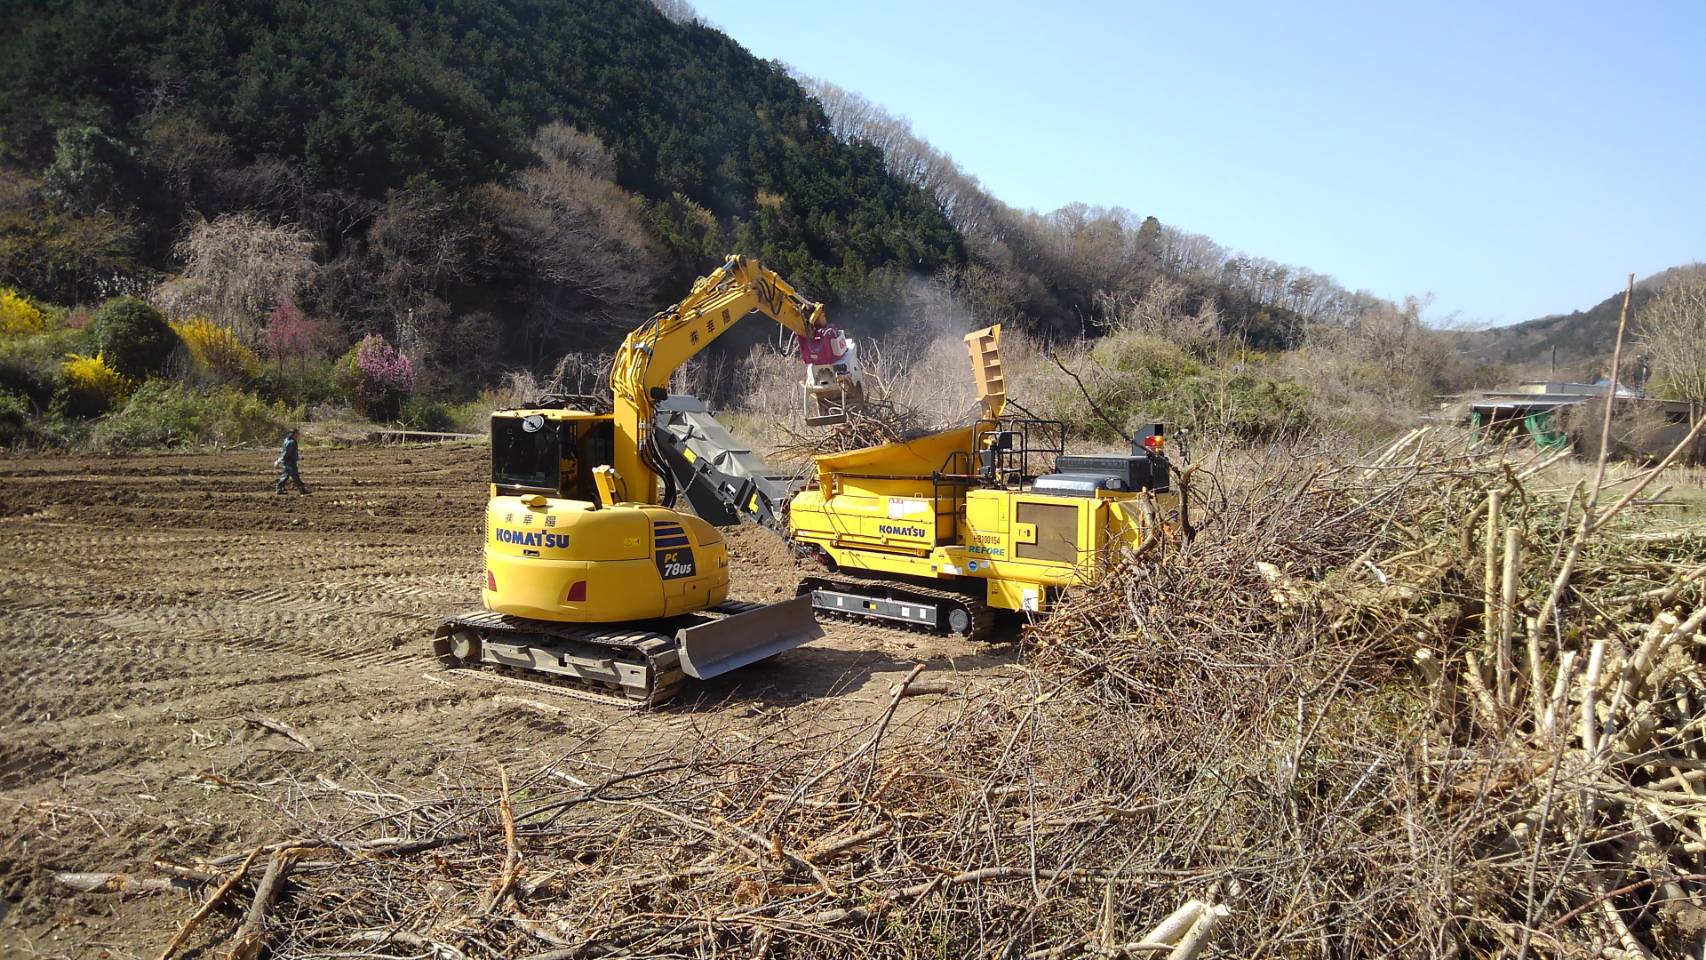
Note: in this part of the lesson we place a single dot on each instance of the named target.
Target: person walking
(286, 463)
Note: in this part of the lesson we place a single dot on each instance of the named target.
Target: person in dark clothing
(286, 463)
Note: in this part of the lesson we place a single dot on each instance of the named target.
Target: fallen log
(209, 905)
(251, 936)
(283, 730)
(118, 883)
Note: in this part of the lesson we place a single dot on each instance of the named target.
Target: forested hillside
(389, 200)
(1583, 338)
(402, 137)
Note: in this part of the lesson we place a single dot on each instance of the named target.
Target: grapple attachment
(833, 385)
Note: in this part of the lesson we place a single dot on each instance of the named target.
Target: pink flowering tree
(377, 375)
(290, 333)
(383, 366)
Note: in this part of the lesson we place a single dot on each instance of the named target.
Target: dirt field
(151, 608)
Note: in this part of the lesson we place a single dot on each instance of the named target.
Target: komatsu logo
(529, 538)
(896, 530)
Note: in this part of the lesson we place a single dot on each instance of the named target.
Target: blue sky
(1512, 159)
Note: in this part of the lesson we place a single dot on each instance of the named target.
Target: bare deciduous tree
(583, 240)
(578, 149)
(237, 267)
(1381, 355)
(1672, 326)
(427, 241)
(962, 199)
(185, 150)
(583, 230)
(679, 11)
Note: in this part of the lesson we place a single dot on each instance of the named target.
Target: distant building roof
(1565, 388)
(1552, 401)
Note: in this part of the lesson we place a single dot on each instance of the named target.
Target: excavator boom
(648, 357)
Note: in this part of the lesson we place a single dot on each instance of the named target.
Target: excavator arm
(723, 480)
(640, 375)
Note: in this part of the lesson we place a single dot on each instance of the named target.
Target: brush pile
(1424, 703)
(1444, 707)
(876, 422)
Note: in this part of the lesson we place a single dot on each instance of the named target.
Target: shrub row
(125, 377)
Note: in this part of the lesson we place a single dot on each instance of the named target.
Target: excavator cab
(552, 454)
(527, 453)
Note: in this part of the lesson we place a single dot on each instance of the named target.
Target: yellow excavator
(590, 576)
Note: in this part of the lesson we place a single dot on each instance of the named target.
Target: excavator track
(898, 604)
(621, 666)
(632, 665)
(567, 689)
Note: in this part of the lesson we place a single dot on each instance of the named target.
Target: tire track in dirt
(150, 605)
(190, 588)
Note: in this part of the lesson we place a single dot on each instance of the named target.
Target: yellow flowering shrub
(92, 377)
(215, 349)
(18, 315)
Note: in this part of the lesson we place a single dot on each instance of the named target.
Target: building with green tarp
(1541, 411)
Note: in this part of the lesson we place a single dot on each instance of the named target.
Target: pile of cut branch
(1468, 704)
(876, 422)
(982, 819)
(1422, 702)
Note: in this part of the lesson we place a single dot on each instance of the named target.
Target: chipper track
(899, 604)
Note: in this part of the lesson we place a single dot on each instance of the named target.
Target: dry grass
(1679, 496)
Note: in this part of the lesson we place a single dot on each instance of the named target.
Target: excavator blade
(713, 649)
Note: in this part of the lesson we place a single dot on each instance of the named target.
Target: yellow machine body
(588, 577)
(964, 505)
(571, 559)
(887, 511)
